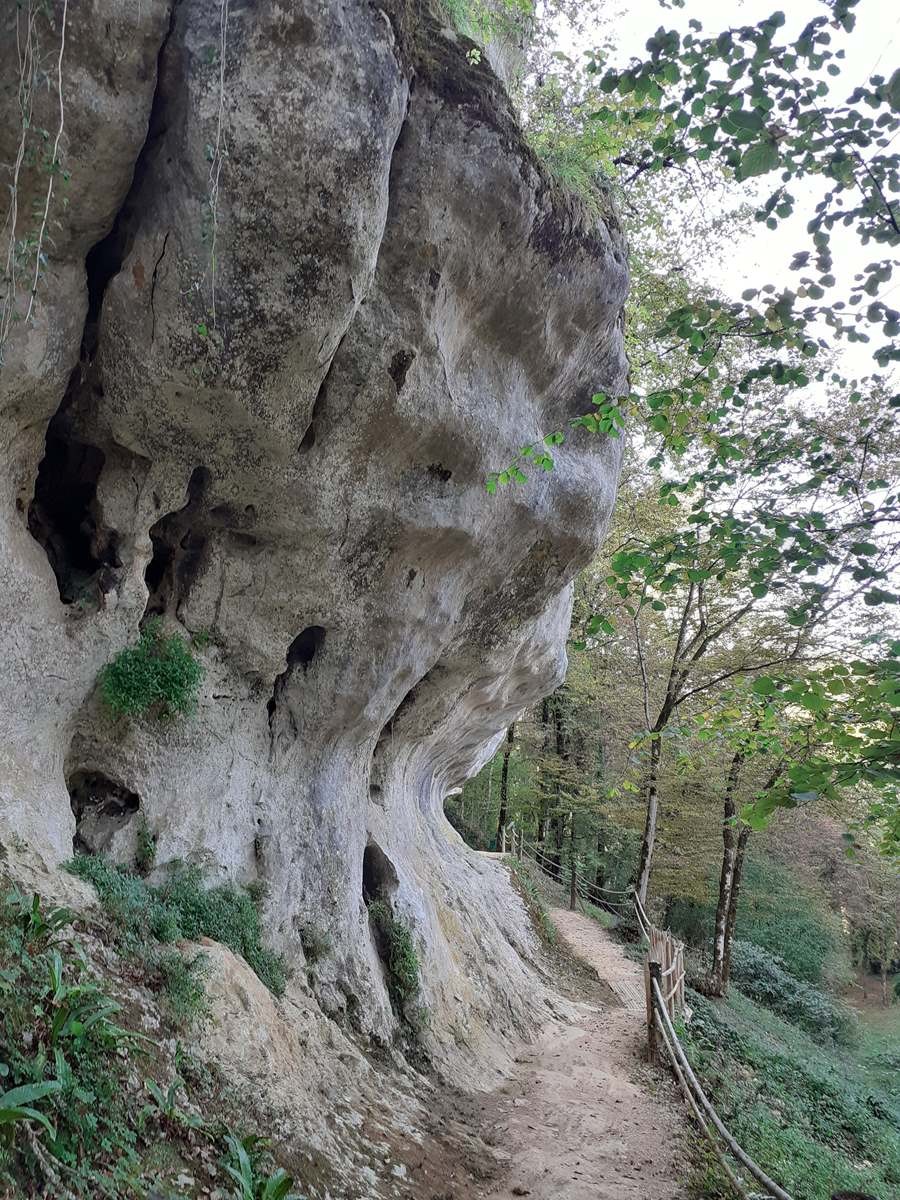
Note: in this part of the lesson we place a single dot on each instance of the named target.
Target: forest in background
(727, 738)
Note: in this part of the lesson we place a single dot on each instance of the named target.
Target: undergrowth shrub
(76, 1072)
(815, 1119)
(534, 902)
(159, 673)
(397, 951)
(181, 908)
(765, 978)
(790, 921)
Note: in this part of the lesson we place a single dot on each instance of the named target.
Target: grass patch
(534, 902)
(818, 1121)
(89, 1107)
(181, 908)
(159, 674)
(600, 915)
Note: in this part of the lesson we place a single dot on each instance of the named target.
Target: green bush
(816, 1119)
(182, 908)
(765, 978)
(397, 951)
(75, 1078)
(775, 914)
(159, 674)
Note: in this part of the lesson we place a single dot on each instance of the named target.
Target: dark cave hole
(439, 471)
(178, 550)
(63, 516)
(104, 261)
(101, 807)
(308, 440)
(300, 653)
(400, 364)
(305, 646)
(379, 879)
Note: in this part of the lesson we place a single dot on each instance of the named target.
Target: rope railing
(697, 1098)
(665, 979)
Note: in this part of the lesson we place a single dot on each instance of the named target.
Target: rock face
(309, 287)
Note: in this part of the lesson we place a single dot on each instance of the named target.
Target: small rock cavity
(102, 808)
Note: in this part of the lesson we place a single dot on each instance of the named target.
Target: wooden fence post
(503, 840)
(652, 970)
(572, 888)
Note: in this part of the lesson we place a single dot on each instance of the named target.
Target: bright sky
(763, 255)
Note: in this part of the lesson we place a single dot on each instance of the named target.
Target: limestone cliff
(308, 287)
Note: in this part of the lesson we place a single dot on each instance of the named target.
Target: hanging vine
(25, 254)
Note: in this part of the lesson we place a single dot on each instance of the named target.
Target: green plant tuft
(183, 983)
(158, 674)
(397, 951)
(146, 848)
(315, 942)
(181, 908)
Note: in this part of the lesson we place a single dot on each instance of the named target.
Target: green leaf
(759, 159)
(746, 119)
(892, 91)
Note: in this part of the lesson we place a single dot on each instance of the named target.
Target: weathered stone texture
(276, 406)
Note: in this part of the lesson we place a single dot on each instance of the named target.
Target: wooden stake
(652, 970)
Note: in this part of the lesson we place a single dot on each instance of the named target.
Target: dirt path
(583, 1118)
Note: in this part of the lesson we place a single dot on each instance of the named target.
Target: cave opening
(101, 807)
(63, 516)
(305, 646)
(379, 879)
(399, 368)
(300, 653)
(178, 549)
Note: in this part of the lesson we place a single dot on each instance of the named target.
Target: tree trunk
(573, 890)
(731, 919)
(717, 982)
(599, 876)
(643, 875)
(544, 815)
(883, 968)
(555, 856)
(504, 780)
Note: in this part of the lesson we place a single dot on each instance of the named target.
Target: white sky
(762, 256)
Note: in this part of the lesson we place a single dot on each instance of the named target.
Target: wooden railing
(664, 977)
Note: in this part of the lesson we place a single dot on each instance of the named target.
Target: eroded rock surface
(309, 288)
